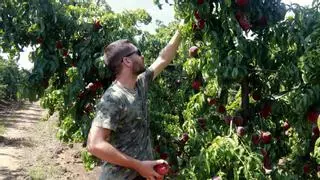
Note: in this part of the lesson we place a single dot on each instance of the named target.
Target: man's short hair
(114, 52)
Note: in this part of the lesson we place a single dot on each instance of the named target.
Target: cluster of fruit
(200, 21)
(92, 87)
(242, 16)
(59, 44)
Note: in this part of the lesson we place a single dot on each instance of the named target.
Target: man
(120, 133)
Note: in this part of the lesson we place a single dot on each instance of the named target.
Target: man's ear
(126, 61)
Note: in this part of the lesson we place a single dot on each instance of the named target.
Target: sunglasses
(138, 52)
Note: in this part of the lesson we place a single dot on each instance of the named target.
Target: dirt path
(30, 150)
(15, 138)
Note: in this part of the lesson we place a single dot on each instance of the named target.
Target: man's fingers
(159, 178)
(155, 174)
(160, 161)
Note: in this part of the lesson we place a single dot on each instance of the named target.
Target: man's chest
(133, 110)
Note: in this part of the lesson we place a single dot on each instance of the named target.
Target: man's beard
(138, 68)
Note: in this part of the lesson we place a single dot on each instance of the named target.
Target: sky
(165, 15)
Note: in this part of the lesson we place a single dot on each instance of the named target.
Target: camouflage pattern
(124, 111)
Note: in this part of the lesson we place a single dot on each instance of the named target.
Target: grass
(42, 172)
(45, 117)
(2, 128)
(37, 173)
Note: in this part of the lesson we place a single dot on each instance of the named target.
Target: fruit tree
(240, 101)
(67, 38)
(255, 101)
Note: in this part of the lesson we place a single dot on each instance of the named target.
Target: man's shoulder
(113, 93)
(148, 71)
(147, 75)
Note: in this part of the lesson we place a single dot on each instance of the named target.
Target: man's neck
(127, 82)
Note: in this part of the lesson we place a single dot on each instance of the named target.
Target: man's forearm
(107, 152)
(169, 52)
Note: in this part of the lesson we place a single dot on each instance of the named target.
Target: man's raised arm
(166, 55)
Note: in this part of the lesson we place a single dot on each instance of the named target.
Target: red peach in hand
(162, 169)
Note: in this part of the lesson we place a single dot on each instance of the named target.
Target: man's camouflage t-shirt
(124, 111)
